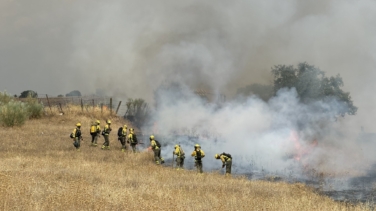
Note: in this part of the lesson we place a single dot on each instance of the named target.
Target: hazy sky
(130, 47)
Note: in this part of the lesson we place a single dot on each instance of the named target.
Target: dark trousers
(180, 162)
(133, 147)
(106, 141)
(198, 164)
(228, 166)
(122, 141)
(77, 142)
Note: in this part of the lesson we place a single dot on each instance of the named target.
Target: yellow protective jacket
(224, 159)
(179, 152)
(196, 152)
(124, 132)
(107, 129)
(153, 144)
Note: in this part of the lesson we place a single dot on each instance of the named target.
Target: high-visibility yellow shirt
(195, 152)
(154, 144)
(179, 151)
(224, 158)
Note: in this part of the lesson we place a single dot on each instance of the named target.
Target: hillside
(41, 170)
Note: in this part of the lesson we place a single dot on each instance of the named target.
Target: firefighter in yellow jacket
(76, 136)
(95, 132)
(180, 156)
(106, 133)
(156, 147)
(123, 137)
(132, 139)
(226, 161)
(198, 154)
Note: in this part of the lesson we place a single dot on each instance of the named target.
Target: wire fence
(87, 103)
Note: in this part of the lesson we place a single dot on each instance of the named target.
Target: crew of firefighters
(131, 139)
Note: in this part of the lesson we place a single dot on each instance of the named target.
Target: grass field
(41, 170)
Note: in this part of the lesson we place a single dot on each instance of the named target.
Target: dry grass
(40, 170)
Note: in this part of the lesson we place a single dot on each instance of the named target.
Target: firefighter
(132, 139)
(76, 136)
(156, 147)
(95, 132)
(198, 154)
(180, 156)
(106, 133)
(226, 161)
(122, 138)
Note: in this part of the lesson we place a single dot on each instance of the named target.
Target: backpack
(120, 132)
(157, 143)
(134, 139)
(78, 133)
(93, 129)
(198, 155)
(227, 155)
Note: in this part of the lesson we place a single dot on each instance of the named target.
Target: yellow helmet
(197, 145)
(78, 124)
(216, 156)
(176, 146)
(108, 121)
(131, 130)
(98, 122)
(152, 137)
(125, 126)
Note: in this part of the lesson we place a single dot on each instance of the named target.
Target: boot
(103, 147)
(122, 150)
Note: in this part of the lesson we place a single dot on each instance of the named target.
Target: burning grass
(40, 170)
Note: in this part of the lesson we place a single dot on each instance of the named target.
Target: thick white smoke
(279, 136)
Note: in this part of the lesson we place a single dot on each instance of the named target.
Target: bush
(4, 98)
(34, 109)
(13, 113)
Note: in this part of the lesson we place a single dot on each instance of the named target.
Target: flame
(301, 150)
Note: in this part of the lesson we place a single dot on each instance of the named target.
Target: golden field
(41, 170)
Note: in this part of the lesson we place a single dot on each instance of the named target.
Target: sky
(128, 48)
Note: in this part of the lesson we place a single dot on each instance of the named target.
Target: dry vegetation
(41, 170)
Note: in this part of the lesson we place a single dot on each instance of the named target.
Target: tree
(312, 85)
(74, 93)
(28, 93)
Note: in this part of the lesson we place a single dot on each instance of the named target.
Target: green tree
(28, 93)
(311, 85)
(74, 93)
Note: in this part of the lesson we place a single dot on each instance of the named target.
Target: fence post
(49, 105)
(118, 108)
(101, 108)
(61, 109)
(93, 105)
(82, 105)
(111, 106)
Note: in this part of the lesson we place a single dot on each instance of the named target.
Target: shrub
(13, 113)
(34, 108)
(4, 98)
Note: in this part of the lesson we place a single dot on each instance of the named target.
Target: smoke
(279, 136)
(129, 48)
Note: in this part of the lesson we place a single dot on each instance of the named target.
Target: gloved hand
(223, 165)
